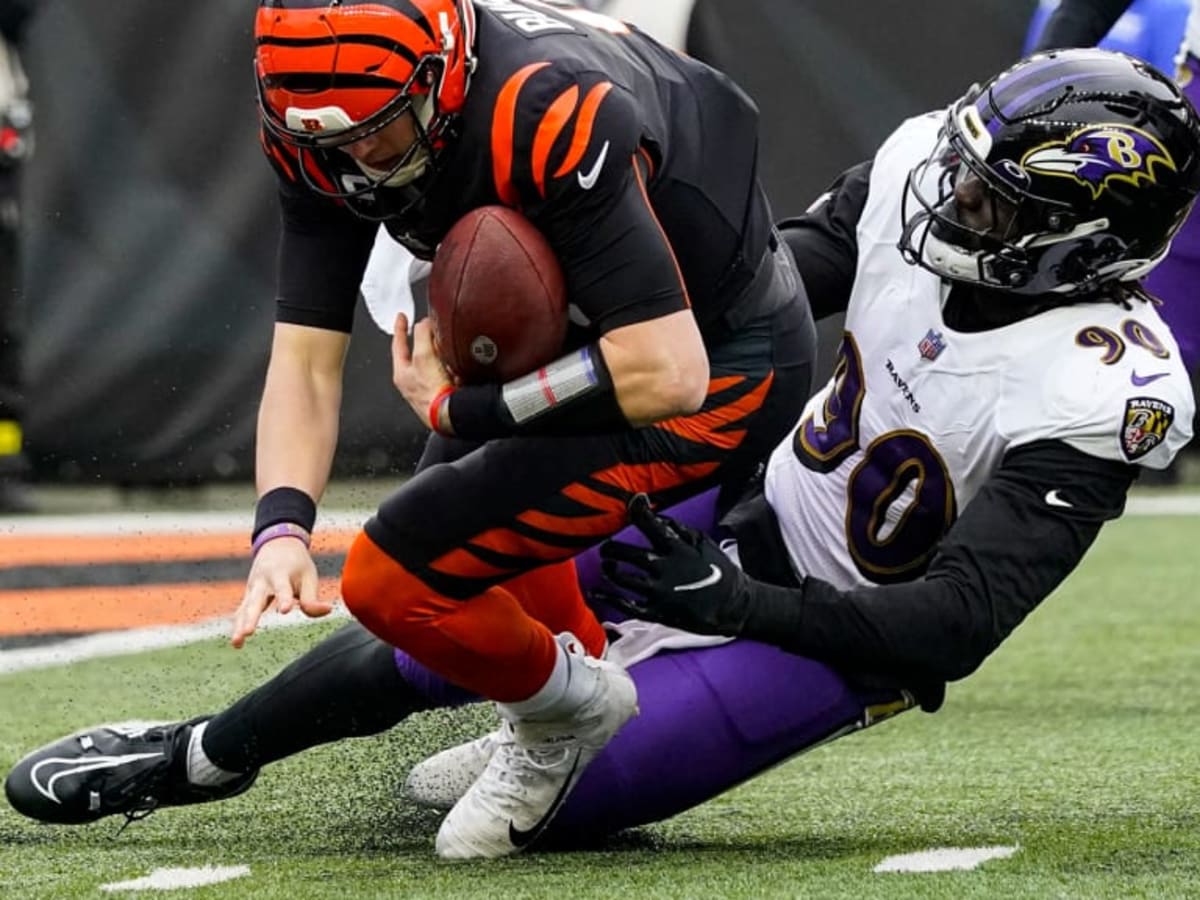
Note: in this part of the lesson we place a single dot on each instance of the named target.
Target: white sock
(570, 685)
(201, 770)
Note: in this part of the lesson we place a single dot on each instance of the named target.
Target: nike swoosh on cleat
(75, 767)
(712, 578)
(1143, 380)
(588, 181)
(1053, 499)
(523, 838)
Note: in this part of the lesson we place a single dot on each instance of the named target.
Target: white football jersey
(918, 416)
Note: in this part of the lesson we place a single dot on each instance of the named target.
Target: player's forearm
(1007, 552)
(649, 394)
(297, 430)
(659, 368)
(658, 376)
(940, 629)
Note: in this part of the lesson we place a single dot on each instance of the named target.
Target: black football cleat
(130, 770)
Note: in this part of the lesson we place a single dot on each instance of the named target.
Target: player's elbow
(659, 368)
(691, 387)
(956, 630)
(966, 642)
(956, 665)
(681, 387)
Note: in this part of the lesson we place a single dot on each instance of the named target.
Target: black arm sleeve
(824, 241)
(1080, 23)
(1005, 554)
(323, 251)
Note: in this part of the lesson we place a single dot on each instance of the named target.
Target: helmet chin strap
(411, 170)
(950, 260)
(960, 264)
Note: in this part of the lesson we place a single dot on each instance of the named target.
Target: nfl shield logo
(932, 344)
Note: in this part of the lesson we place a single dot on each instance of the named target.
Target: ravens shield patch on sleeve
(1146, 424)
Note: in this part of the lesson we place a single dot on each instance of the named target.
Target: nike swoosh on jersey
(588, 181)
(75, 767)
(1053, 499)
(1143, 380)
(711, 578)
(522, 838)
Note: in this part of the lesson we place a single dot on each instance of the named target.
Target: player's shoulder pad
(558, 127)
(1106, 380)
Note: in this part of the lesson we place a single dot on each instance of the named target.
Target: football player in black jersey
(922, 546)
(639, 166)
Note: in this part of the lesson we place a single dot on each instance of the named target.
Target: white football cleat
(533, 768)
(440, 781)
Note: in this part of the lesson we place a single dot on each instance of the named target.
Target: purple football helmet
(1090, 159)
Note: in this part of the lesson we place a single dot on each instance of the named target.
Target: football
(497, 300)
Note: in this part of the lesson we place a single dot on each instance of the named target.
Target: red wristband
(435, 406)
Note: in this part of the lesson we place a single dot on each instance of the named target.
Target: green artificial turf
(1077, 741)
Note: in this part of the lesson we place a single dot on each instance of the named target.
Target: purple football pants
(1176, 280)
(710, 717)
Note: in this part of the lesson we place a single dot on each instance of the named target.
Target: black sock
(346, 686)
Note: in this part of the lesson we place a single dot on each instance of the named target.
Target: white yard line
(944, 859)
(119, 643)
(159, 523)
(139, 640)
(173, 879)
(1163, 505)
(222, 522)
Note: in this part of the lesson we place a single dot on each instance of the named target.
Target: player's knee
(376, 589)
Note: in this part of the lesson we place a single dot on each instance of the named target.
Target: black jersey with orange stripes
(639, 165)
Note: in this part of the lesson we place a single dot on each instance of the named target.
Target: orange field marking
(89, 609)
(65, 550)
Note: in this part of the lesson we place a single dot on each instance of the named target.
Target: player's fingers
(628, 579)
(284, 592)
(628, 606)
(630, 594)
(401, 356)
(244, 621)
(657, 529)
(310, 602)
(614, 552)
(317, 608)
(423, 339)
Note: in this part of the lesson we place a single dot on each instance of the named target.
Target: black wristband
(477, 413)
(284, 504)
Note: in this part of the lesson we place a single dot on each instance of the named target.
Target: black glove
(683, 579)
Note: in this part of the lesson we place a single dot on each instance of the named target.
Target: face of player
(384, 149)
(980, 209)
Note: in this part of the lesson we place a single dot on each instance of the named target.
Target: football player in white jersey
(1002, 379)
(1001, 382)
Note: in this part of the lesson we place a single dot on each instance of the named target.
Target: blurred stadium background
(148, 251)
(150, 218)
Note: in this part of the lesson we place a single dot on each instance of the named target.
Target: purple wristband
(279, 530)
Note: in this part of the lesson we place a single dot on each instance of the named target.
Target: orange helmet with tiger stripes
(331, 72)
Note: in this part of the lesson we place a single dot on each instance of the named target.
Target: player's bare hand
(283, 572)
(417, 373)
